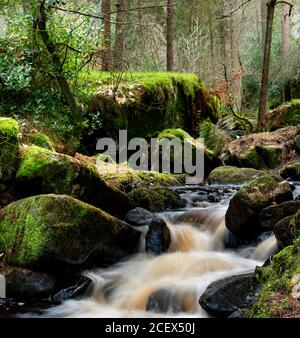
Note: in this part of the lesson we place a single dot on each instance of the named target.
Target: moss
(275, 299)
(293, 115)
(43, 141)
(272, 156)
(291, 170)
(252, 160)
(9, 150)
(148, 102)
(174, 133)
(214, 137)
(41, 230)
(147, 199)
(43, 171)
(229, 174)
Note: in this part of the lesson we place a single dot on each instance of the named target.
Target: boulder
(139, 217)
(26, 284)
(271, 215)
(42, 140)
(230, 175)
(291, 171)
(287, 230)
(226, 296)
(158, 237)
(156, 199)
(9, 151)
(242, 216)
(44, 172)
(261, 150)
(50, 231)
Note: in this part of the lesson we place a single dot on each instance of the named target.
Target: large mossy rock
(262, 150)
(279, 296)
(287, 230)
(47, 231)
(9, 151)
(231, 175)
(242, 216)
(145, 103)
(44, 172)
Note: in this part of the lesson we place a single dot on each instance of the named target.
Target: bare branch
(235, 10)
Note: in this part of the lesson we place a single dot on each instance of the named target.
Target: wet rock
(158, 237)
(80, 287)
(226, 296)
(287, 230)
(47, 231)
(27, 284)
(291, 171)
(213, 198)
(230, 174)
(271, 215)
(45, 172)
(139, 217)
(230, 240)
(242, 216)
(172, 199)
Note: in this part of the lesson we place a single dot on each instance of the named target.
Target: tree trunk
(58, 66)
(223, 36)
(119, 41)
(285, 44)
(106, 57)
(264, 13)
(236, 85)
(266, 66)
(170, 36)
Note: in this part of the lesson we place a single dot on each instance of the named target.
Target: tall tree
(235, 73)
(120, 36)
(266, 65)
(106, 58)
(285, 43)
(170, 35)
(264, 13)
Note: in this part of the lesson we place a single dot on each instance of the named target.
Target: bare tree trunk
(236, 85)
(170, 36)
(285, 43)
(106, 59)
(119, 41)
(223, 36)
(264, 13)
(66, 92)
(266, 66)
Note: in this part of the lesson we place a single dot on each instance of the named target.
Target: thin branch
(287, 3)
(235, 10)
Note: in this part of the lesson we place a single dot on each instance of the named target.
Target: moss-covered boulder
(9, 151)
(242, 216)
(145, 103)
(230, 174)
(42, 140)
(156, 199)
(43, 172)
(46, 232)
(291, 171)
(280, 282)
(262, 150)
(287, 230)
(178, 154)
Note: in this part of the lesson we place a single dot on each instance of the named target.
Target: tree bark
(106, 58)
(285, 44)
(236, 85)
(266, 65)
(119, 41)
(264, 13)
(223, 36)
(64, 86)
(170, 36)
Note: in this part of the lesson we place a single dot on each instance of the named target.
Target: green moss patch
(230, 174)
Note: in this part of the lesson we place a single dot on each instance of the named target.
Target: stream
(174, 280)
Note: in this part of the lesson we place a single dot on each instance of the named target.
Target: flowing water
(173, 281)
